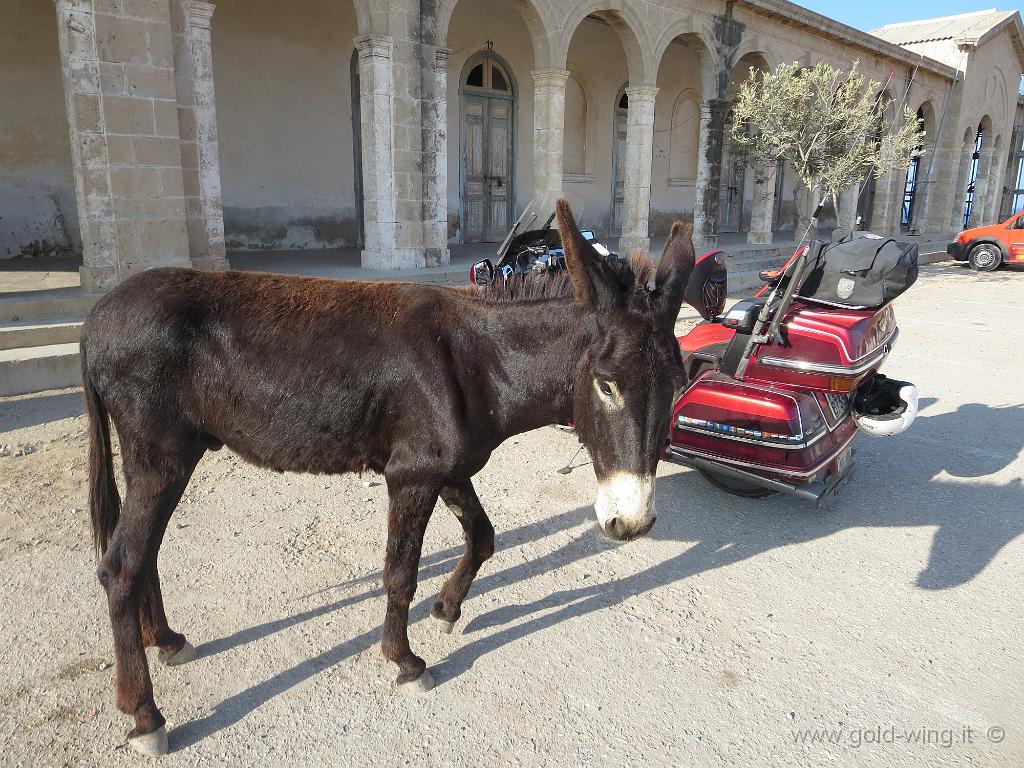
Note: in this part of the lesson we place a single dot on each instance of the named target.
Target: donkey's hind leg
(174, 648)
(124, 571)
(462, 500)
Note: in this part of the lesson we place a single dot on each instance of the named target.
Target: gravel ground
(882, 630)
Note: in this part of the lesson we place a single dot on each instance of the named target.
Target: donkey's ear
(593, 282)
(674, 270)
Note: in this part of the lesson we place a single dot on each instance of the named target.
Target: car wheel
(984, 257)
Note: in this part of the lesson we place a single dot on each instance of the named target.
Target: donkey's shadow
(931, 476)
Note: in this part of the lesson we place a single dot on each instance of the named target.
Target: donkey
(420, 383)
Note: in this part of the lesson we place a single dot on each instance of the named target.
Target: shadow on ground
(40, 409)
(974, 520)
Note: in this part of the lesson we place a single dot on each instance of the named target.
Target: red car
(985, 248)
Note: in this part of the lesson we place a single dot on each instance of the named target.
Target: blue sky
(869, 14)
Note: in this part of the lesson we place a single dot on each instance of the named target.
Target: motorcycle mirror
(482, 273)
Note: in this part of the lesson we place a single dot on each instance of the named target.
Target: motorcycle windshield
(538, 214)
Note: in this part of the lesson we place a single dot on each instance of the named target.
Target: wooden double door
(488, 111)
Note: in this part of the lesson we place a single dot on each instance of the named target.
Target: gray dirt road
(743, 633)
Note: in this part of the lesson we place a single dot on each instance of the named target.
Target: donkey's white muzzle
(625, 505)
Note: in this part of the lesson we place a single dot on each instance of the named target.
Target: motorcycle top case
(755, 427)
(862, 272)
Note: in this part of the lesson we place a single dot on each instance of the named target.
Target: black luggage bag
(865, 271)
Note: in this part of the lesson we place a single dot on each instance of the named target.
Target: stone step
(56, 304)
(36, 334)
(36, 369)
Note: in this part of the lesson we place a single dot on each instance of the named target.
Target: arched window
(488, 76)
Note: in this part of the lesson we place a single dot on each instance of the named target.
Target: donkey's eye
(609, 392)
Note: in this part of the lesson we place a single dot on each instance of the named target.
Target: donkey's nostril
(612, 526)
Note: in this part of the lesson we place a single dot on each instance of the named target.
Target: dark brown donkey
(417, 382)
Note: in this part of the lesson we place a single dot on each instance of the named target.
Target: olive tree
(828, 124)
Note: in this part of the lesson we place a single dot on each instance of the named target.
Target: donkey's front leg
(462, 500)
(407, 522)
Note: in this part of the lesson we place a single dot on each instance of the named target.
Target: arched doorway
(910, 187)
(619, 161)
(732, 189)
(487, 171)
(972, 174)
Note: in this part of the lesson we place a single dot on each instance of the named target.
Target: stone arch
(534, 15)
(628, 28)
(369, 18)
(985, 126)
(709, 61)
(753, 50)
(740, 69)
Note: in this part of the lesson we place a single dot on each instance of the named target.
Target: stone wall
(38, 213)
(283, 74)
(192, 123)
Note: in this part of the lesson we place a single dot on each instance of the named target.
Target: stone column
(762, 213)
(435, 161)
(548, 129)
(639, 156)
(376, 104)
(885, 214)
(982, 184)
(995, 186)
(956, 215)
(846, 209)
(122, 110)
(709, 173)
(197, 125)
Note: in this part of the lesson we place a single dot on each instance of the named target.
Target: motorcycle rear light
(730, 429)
(843, 383)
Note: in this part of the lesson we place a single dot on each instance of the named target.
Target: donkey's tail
(104, 500)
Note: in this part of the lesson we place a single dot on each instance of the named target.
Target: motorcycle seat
(705, 335)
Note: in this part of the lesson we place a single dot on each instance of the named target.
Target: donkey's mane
(633, 273)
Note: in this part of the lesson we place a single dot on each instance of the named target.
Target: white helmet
(888, 408)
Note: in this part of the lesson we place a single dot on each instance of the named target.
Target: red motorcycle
(781, 384)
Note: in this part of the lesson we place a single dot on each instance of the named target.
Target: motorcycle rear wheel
(735, 485)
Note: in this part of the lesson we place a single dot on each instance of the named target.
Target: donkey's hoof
(417, 685)
(444, 624)
(441, 623)
(183, 655)
(153, 744)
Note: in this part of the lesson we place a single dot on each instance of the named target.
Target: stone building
(154, 132)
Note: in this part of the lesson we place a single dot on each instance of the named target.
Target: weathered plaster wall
(473, 23)
(676, 136)
(597, 61)
(37, 188)
(284, 109)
